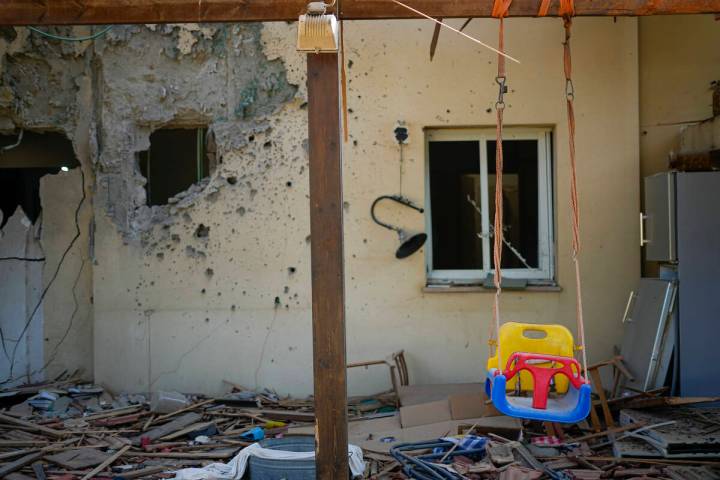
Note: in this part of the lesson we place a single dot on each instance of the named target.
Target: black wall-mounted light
(409, 242)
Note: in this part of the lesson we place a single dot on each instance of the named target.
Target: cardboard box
(425, 413)
(417, 394)
(467, 405)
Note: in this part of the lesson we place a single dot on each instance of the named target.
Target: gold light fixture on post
(318, 30)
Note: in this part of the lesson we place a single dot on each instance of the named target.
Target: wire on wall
(85, 38)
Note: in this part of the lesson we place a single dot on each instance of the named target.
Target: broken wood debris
(97, 435)
(100, 436)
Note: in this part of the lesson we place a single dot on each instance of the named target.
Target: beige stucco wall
(164, 323)
(679, 57)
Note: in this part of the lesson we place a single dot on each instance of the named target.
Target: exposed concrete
(148, 77)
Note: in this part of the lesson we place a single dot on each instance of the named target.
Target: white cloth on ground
(235, 468)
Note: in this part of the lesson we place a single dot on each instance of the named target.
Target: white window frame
(545, 273)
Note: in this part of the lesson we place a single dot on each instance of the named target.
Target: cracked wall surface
(216, 285)
(47, 87)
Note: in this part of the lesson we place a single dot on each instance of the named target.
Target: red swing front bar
(542, 376)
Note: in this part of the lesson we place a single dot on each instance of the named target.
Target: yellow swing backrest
(531, 338)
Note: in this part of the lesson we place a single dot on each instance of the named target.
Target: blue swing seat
(538, 357)
(572, 407)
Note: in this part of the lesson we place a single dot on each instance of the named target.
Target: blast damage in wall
(144, 78)
(167, 75)
(108, 96)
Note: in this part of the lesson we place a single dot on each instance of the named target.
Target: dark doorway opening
(24, 159)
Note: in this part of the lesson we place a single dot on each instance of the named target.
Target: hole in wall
(177, 158)
(24, 159)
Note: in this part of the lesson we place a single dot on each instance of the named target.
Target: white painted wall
(58, 336)
(21, 342)
(68, 310)
(163, 323)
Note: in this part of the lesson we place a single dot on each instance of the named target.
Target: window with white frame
(460, 205)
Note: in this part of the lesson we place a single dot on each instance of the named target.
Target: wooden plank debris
(288, 415)
(80, 458)
(16, 465)
(145, 472)
(183, 410)
(189, 429)
(106, 463)
(32, 426)
(95, 12)
(168, 428)
(611, 453)
(39, 471)
(211, 455)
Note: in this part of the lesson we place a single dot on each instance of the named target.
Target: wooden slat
(326, 249)
(32, 426)
(84, 12)
(381, 9)
(600, 390)
(16, 465)
(106, 463)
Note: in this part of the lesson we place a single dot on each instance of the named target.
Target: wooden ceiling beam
(95, 12)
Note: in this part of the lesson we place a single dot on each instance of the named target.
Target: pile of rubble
(68, 429)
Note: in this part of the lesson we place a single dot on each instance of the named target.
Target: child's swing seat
(534, 363)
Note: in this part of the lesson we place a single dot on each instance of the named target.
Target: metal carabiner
(569, 89)
(502, 90)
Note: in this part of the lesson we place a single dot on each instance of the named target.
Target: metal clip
(502, 90)
(569, 89)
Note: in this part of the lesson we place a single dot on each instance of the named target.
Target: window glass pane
(520, 201)
(455, 176)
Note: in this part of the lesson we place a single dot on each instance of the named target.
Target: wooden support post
(326, 249)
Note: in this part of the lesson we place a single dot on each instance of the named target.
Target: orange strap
(574, 203)
(500, 9)
(567, 8)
